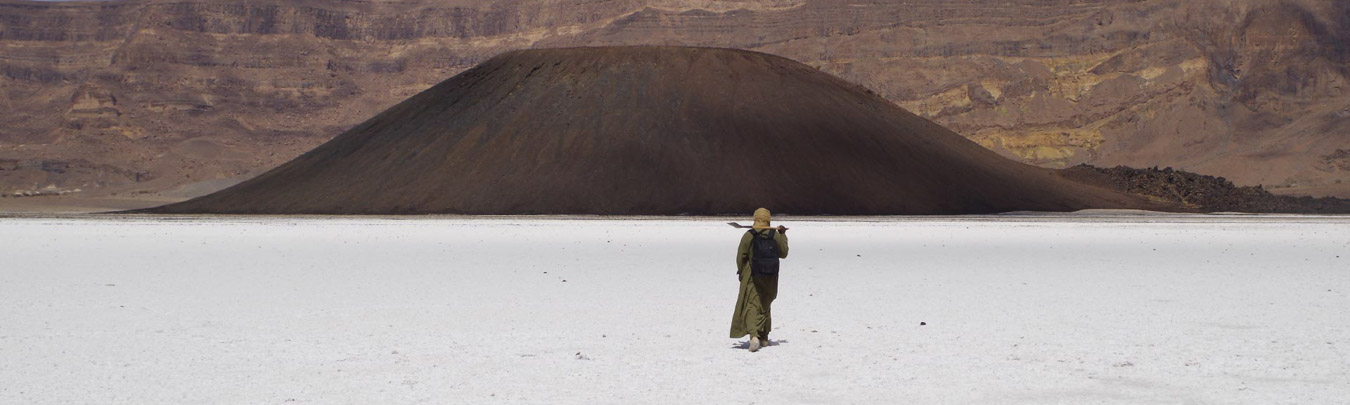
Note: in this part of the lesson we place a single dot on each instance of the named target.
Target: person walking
(757, 269)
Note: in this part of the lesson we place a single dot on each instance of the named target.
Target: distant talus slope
(649, 130)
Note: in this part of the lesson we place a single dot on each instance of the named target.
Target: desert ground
(1087, 308)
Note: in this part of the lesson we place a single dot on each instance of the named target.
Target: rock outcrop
(1200, 193)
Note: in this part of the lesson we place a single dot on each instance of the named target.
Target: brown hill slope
(143, 96)
(649, 130)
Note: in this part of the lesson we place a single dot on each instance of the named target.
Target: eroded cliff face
(181, 97)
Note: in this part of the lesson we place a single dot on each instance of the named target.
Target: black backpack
(763, 253)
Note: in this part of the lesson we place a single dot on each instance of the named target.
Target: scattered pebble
(923, 323)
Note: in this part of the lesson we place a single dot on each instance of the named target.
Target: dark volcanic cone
(650, 130)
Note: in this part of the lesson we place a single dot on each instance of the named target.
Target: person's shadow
(745, 345)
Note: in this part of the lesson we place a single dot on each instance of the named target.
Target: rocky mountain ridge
(161, 97)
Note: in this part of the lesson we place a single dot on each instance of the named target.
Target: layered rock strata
(149, 96)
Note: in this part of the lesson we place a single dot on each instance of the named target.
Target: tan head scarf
(761, 219)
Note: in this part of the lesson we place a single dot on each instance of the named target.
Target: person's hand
(782, 229)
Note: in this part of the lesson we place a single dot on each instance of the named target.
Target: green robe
(757, 292)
